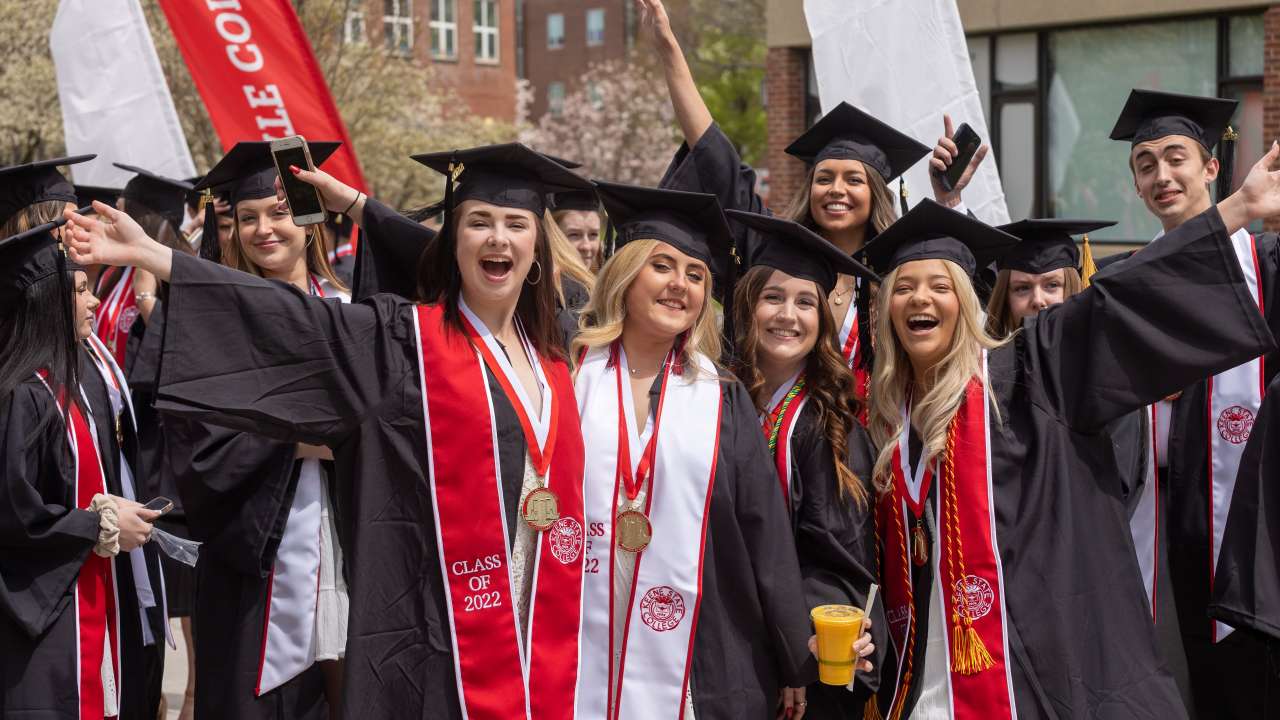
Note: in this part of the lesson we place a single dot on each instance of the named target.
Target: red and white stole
(967, 564)
(117, 314)
(662, 611)
(96, 607)
(779, 425)
(852, 350)
(1235, 397)
(1145, 523)
(293, 588)
(499, 675)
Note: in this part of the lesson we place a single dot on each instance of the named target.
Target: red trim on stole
(852, 352)
(112, 312)
(782, 448)
(469, 516)
(984, 694)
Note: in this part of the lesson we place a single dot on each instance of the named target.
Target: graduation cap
(798, 251)
(509, 175)
(166, 196)
(1151, 115)
(571, 164)
(246, 172)
(931, 231)
(86, 194)
(580, 200)
(35, 182)
(29, 257)
(691, 222)
(1045, 244)
(847, 133)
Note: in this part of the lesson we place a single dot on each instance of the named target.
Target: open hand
(336, 195)
(654, 19)
(114, 238)
(944, 154)
(1261, 188)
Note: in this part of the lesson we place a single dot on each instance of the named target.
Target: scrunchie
(108, 525)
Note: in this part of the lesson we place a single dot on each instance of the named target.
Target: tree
(618, 123)
(30, 122)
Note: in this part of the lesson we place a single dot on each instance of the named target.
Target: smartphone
(967, 143)
(160, 504)
(304, 199)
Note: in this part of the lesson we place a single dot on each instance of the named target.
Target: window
(485, 23)
(595, 27)
(555, 31)
(594, 97)
(353, 28)
(444, 29)
(397, 25)
(1013, 112)
(555, 98)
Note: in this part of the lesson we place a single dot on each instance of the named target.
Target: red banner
(253, 66)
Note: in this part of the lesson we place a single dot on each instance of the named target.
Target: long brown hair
(1000, 320)
(883, 207)
(31, 216)
(440, 282)
(827, 379)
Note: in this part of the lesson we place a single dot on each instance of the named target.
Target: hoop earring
(537, 279)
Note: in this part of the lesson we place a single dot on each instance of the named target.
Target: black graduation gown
(1079, 628)
(253, 355)
(1225, 676)
(44, 541)
(1246, 588)
(836, 545)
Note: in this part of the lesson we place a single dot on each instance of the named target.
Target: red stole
(852, 350)
(967, 564)
(117, 314)
(497, 675)
(779, 424)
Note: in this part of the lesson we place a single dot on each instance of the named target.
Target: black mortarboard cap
(1151, 115)
(930, 231)
(691, 222)
(1046, 244)
(248, 171)
(847, 133)
(28, 258)
(35, 182)
(798, 251)
(581, 200)
(166, 196)
(86, 194)
(571, 164)
(509, 175)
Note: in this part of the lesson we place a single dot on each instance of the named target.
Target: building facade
(1053, 77)
(560, 39)
(470, 44)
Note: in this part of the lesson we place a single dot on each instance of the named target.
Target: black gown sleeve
(387, 253)
(262, 357)
(714, 166)
(1174, 313)
(835, 534)
(44, 538)
(766, 530)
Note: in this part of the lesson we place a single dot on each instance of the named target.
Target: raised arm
(258, 355)
(691, 112)
(1176, 312)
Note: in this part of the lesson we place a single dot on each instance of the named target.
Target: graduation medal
(541, 509)
(632, 530)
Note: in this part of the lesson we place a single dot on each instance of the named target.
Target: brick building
(561, 38)
(1053, 76)
(471, 44)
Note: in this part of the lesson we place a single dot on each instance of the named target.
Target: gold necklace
(839, 294)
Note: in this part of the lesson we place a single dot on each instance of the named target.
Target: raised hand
(654, 19)
(114, 238)
(336, 195)
(944, 154)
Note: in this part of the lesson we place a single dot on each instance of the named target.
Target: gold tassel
(1087, 266)
(206, 198)
(919, 546)
(969, 655)
(900, 702)
(871, 711)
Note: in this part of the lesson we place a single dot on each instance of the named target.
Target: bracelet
(353, 202)
(139, 297)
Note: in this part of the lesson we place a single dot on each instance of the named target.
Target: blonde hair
(316, 254)
(892, 377)
(1000, 320)
(565, 256)
(883, 206)
(603, 318)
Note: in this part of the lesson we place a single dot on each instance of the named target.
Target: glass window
(1247, 122)
(1017, 157)
(353, 28)
(555, 31)
(594, 96)
(397, 24)
(485, 23)
(444, 29)
(555, 97)
(1016, 60)
(1244, 45)
(595, 27)
(980, 59)
(1088, 173)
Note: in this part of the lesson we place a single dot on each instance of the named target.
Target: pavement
(175, 672)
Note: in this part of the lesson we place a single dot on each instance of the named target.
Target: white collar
(541, 421)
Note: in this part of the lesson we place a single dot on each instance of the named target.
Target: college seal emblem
(662, 608)
(1235, 423)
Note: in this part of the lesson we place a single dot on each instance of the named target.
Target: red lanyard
(633, 483)
(315, 287)
(541, 456)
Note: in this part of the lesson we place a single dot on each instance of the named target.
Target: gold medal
(541, 509)
(633, 530)
(919, 546)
